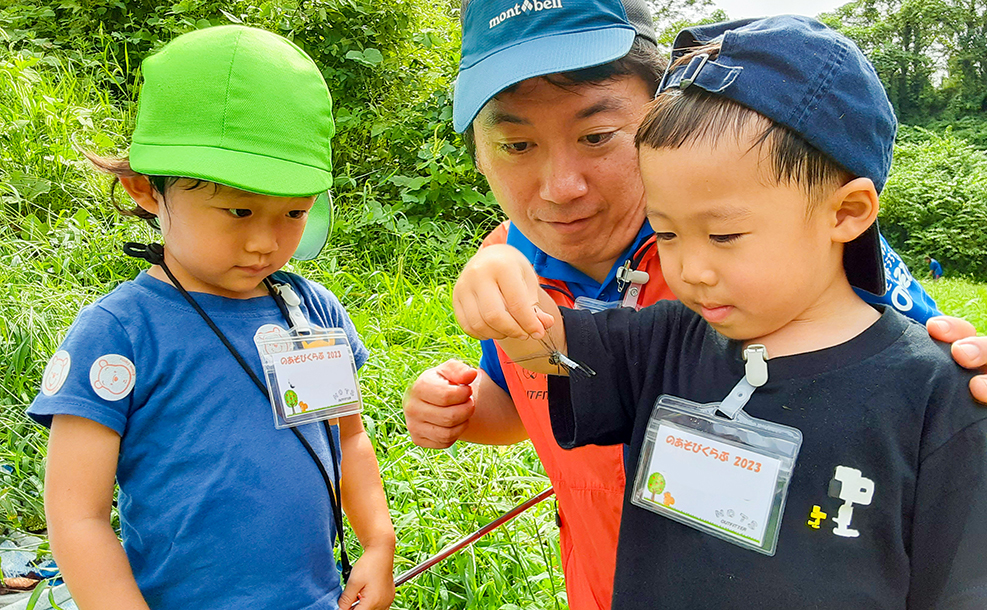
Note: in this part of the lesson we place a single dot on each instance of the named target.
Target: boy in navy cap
(843, 466)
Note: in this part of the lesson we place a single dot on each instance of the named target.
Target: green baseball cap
(241, 107)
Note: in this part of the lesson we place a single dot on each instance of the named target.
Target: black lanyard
(154, 254)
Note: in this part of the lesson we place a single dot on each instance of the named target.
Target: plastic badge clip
(298, 322)
(626, 275)
(756, 375)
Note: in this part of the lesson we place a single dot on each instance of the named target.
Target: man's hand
(438, 406)
(968, 350)
(497, 295)
(371, 581)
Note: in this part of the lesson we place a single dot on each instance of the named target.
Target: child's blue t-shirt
(218, 509)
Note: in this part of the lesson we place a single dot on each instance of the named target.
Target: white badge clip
(637, 279)
(298, 322)
(755, 375)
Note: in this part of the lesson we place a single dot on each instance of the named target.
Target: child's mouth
(715, 314)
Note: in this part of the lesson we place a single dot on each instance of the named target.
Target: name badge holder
(715, 468)
(310, 371)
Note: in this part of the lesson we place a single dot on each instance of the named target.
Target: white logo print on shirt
(850, 486)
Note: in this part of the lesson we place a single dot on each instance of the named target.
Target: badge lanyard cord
(154, 254)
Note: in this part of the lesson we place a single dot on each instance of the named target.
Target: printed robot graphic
(850, 486)
(112, 376)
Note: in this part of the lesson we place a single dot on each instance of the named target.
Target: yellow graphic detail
(816, 516)
(668, 499)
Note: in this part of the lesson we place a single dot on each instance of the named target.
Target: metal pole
(471, 538)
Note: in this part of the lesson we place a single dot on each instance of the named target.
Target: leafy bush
(935, 202)
(404, 181)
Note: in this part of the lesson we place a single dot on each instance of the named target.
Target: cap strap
(709, 75)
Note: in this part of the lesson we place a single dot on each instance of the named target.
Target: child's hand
(496, 296)
(371, 581)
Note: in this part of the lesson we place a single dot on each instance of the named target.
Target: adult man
(550, 94)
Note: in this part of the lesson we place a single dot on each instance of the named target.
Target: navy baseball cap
(508, 41)
(813, 80)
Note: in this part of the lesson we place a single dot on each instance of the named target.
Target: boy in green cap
(155, 387)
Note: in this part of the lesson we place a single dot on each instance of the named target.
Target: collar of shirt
(580, 284)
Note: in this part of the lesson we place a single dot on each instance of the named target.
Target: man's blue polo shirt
(903, 292)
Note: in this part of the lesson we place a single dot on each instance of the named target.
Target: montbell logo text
(528, 5)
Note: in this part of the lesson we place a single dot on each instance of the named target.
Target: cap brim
(486, 78)
(242, 170)
(316, 229)
(864, 262)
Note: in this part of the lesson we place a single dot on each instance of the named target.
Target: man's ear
(142, 192)
(856, 206)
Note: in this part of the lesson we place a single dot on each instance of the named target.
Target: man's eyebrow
(498, 117)
(605, 105)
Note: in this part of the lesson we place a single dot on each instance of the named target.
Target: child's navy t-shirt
(890, 403)
(218, 509)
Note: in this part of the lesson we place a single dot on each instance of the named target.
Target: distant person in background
(935, 269)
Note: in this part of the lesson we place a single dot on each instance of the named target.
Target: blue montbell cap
(508, 41)
(813, 80)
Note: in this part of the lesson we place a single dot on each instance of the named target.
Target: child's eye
(725, 239)
(297, 214)
(664, 236)
(596, 139)
(239, 212)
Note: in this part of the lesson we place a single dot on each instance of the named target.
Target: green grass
(961, 298)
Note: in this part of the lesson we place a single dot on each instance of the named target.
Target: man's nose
(563, 179)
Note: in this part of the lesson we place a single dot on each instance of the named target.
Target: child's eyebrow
(730, 213)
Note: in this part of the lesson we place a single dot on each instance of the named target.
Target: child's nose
(696, 271)
(262, 241)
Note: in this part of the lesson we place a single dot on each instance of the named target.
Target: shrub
(935, 202)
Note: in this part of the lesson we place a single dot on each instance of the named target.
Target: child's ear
(856, 206)
(142, 192)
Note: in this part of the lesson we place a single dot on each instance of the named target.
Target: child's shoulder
(926, 368)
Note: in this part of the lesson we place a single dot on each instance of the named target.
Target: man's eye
(664, 236)
(515, 147)
(297, 214)
(725, 239)
(239, 212)
(598, 138)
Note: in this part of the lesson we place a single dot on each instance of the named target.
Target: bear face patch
(112, 376)
(56, 373)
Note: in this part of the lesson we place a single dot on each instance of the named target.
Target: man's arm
(454, 401)
(365, 505)
(79, 475)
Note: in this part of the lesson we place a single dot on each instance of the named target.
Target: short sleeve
(949, 530)
(92, 375)
(490, 363)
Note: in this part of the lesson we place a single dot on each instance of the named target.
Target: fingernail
(940, 325)
(970, 350)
